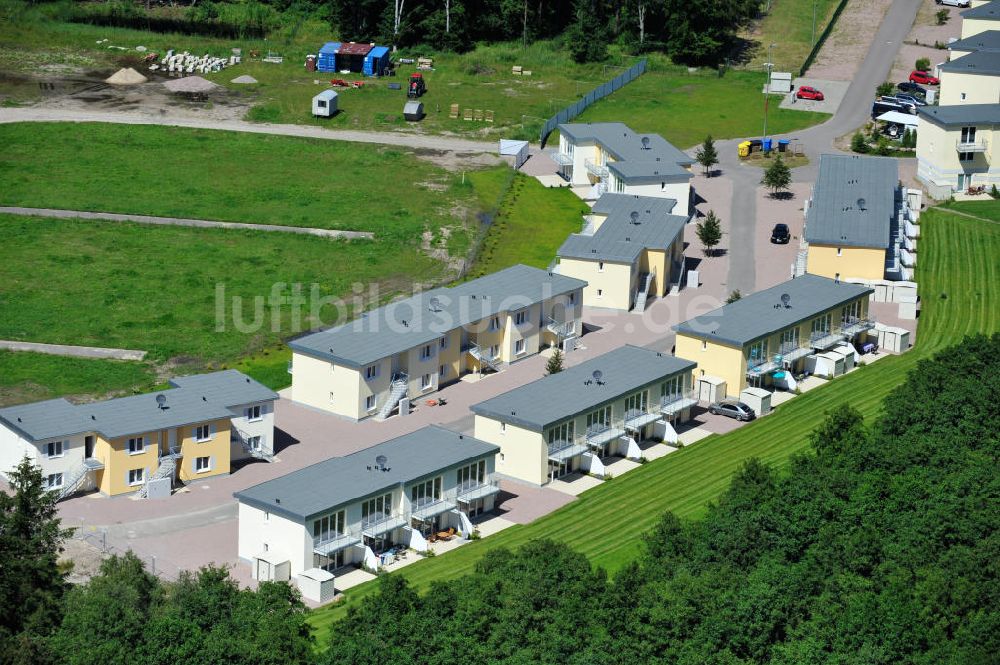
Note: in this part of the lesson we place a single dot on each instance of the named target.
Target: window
(966, 156)
(202, 433)
(600, 293)
(600, 266)
(253, 442)
(495, 323)
(136, 476)
(521, 318)
(442, 371)
(840, 251)
(636, 402)
(851, 313)
(494, 351)
(372, 372)
(572, 299)
(54, 481)
(472, 475)
(370, 403)
(503, 428)
(821, 325)
(962, 95)
(426, 381)
(564, 432)
(267, 516)
(619, 186)
(202, 464)
(254, 413)
(328, 527)
(321, 103)
(600, 420)
(54, 449)
(672, 386)
(519, 346)
(758, 351)
(136, 445)
(332, 400)
(427, 351)
(426, 492)
(377, 508)
(704, 345)
(789, 340)
(443, 343)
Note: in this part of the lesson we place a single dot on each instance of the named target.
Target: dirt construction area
(920, 43)
(848, 44)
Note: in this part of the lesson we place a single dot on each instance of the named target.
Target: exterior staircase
(645, 282)
(168, 465)
(77, 476)
(800, 262)
(397, 391)
(485, 361)
(241, 437)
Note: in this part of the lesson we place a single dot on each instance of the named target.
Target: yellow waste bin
(744, 149)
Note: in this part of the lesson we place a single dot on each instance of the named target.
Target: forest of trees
(880, 546)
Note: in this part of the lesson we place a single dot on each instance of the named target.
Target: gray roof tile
(339, 481)
(958, 115)
(654, 159)
(977, 62)
(837, 216)
(761, 314)
(557, 397)
(989, 11)
(984, 41)
(618, 238)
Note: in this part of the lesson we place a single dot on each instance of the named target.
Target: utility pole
(767, 87)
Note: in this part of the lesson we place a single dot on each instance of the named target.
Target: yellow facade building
(374, 365)
(191, 431)
(854, 220)
(982, 16)
(956, 146)
(631, 247)
(576, 419)
(971, 79)
(745, 343)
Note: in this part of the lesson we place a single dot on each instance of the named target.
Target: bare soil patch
(848, 44)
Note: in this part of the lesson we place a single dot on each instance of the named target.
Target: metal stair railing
(166, 469)
(238, 435)
(645, 281)
(398, 388)
(77, 476)
(477, 352)
(561, 329)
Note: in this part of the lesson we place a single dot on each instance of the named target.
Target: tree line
(879, 546)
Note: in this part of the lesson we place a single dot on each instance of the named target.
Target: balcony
(792, 351)
(472, 490)
(562, 450)
(975, 145)
(821, 340)
(760, 367)
(596, 170)
(561, 328)
(636, 419)
(855, 326)
(599, 434)
(677, 402)
(562, 158)
(375, 525)
(335, 542)
(427, 508)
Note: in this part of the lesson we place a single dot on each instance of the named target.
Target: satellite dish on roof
(861, 204)
(381, 460)
(785, 299)
(161, 399)
(598, 375)
(635, 217)
(435, 304)
(645, 143)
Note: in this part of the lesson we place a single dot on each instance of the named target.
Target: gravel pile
(127, 76)
(190, 84)
(246, 78)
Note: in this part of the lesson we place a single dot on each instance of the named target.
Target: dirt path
(100, 352)
(433, 143)
(179, 221)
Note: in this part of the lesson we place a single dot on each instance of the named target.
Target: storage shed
(271, 567)
(351, 56)
(325, 104)
(327, 60)
(413, 111)
(376, 62)
(316, 584)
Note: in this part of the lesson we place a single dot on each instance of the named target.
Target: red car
(807, 92)
(917, 76)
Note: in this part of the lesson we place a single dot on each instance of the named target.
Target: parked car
(780, 234)
(809, 92)
(906, 106)
(917, 76)
(732, 409)
(916, 101)
(954, 3)
(912, 89)
(880, 107)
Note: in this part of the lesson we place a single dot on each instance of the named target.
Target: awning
(384, 525)
(432, 509)
(341, 542)
(898, 118)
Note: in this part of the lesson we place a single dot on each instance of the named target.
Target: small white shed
(757, 399)
(711, 388)
(325, 104)
(827, 365)
(781, 82)
(271, 567)
(413, 111)
(891, 338)
(850, 355)
(316, 584)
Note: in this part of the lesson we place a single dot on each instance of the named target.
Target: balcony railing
(975, 145)
(601, 433)
(677, 402)
(428, 507)
(562, 450)
(335, 542)
(472, 490)
(638, 418)
(824, 339)
(792, 351)
(376, 525)
(855, 326)
(595, 169)
(561, 328)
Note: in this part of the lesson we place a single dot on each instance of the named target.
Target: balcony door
(88, 447)
(968, 134)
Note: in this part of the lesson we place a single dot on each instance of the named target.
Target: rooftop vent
(645, 143)
(161, 401)
(435, 304)
(786, 300)
(634, 215)
(861, 205)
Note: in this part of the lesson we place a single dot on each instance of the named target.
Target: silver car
(732, 409)
(954, 3)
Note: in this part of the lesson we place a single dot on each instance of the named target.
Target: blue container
(767, 145)
(327, 60)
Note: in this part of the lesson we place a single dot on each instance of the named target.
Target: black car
(911, 88)
(878, 108)
(780, 235)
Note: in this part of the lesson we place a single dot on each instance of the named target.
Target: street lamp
(767, 87)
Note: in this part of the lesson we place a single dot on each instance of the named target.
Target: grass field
(26, 377)
(958, 268)
(789, 26)
(228, 176)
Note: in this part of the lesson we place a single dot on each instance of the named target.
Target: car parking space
(774, 262)
(833, 95)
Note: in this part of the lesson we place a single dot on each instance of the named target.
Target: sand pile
(126, 76)
(190, 84)
(246, 78)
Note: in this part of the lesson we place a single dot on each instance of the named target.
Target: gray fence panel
(600, 92)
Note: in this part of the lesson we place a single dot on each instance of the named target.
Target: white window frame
(202, 438)
(443, 343)
(132, 480)
(371, 403)
(427, 381)
(372, 371)
(52, 446)
(427, 352)
(495, 323)
(600, 266)
(255, 413)
(49, 481)
(442, 371)
(136, 445)
(208, 464)
(520, 347)
(520, 318)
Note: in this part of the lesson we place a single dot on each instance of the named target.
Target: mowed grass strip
(958, 267)
(28, 377)
(225, 176)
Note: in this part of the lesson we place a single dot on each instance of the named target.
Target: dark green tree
(858, 143)
(777, 176)
(555, 363)
(709, 232)
(733, 297)
(586, 36)
(707, 155)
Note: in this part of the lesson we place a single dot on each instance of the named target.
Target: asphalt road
(853, 112)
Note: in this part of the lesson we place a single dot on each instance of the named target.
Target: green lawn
(684, 107)
(987, 209)
(533, 221)
(27, 377)
(958, 266)
(228, 176)
(789, 26)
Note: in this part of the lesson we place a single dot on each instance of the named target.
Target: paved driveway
(833, 95)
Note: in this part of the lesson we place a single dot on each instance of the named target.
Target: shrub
(885, 88)
(858, 143)
(923, 64)
(942, 16)
(994, 192)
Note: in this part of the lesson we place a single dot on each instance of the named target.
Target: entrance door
(968, 134)
(88, 447)
(263, 571)
(964, 179)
